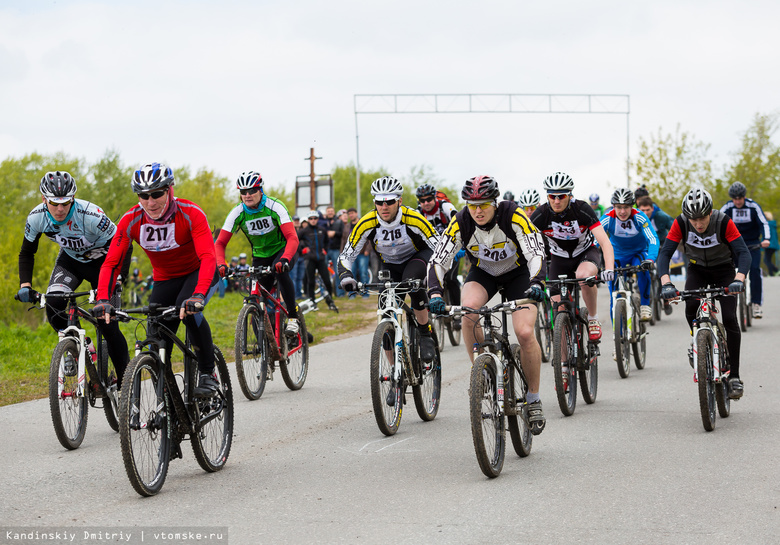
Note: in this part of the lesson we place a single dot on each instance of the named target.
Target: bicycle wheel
(145, 425)
(428, 394)
(487, 422)
(296, 366)
(211, 443)
(516, 390)
(706, 380)
(252, 352)
(453, 325)
(69, 410)
(564, 356)
(543, 331)
(621, 335)
(639, 348)
(108, 375)
(588, 373)
(655, 299)
(438, 329)
(743, 312)
(388, 417)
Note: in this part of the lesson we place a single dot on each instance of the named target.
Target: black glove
(223, 270)
(535, 292)
(647, 264)
(26, 295)
(736, 286)
(437, 306)
(348, 282)
(668, 291)
(282, 266)
(196, 303)
(102, 308)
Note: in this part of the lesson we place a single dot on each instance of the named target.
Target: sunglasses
(390, 202)
(482, 206)
(153, 195)
(530, 208)
(63, 204)
(250, 191)
(558, 197)
(426, 199)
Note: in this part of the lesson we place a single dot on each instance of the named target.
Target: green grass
(25, 353)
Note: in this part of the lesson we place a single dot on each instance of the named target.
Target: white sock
(594, 317)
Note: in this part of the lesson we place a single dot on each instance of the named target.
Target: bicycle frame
(706, 319)
(623, 288)
(399, 315)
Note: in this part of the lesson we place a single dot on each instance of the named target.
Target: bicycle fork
(716, 349)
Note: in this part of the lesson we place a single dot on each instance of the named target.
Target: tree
(344, 192)
(670, 165)
(423, 174)
(110, 186)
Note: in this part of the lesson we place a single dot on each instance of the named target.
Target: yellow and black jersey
(510, 242)
(394, 242)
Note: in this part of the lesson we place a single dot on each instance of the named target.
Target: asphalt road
(311, 466)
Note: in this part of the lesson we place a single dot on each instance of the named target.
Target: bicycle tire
(427, 395)
(212, 441)
(388, 417)
(144, 433)
(621, 337)
(487, 422)
(706, 380)
(69, 411)
(742, 307)
(453, 333)
(588, 373)
(543, 331)
(517, 389)
(639, 348)
(564, 348)
(438, 329)
(295, 367)
(108, 376)
(252, 352)
(655, 299)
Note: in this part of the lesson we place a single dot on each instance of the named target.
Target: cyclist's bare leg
(523, 323)
(589, 293)
(422, 316)
(473, 295)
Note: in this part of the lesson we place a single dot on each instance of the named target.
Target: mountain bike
(261, 340)
(744, 301)
(497, 389)
(158, 408)
(711, 367)
(628, 331)
(444, 322)
(80, 373)
(395, 357)
(656, 301)
(543, 328)
(574, 355)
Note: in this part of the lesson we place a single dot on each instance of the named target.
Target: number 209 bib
(158, 238)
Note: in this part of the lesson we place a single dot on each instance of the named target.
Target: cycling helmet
(560, 182)
(152, 176)
(480, 188)
(641, 191)
(529, 197)
(737, 190)
(58, 187)
(594, 198)
(426, 190)
(242, 255)
(234, 259)
(249, 179)
(623, 196)
(386, 187)
(509, 196)
(697, 203)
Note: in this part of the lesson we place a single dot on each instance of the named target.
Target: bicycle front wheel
(589, 372)
(214, 416)
(516, 390)
(252, 352)
(621, 334)
(108, 376)
(743, 312)
(565, 364)
(145, 425)
(69, 410)
(639, 348)
(386, 393)
(453, 325)
(428, 393)
(543, 331)
(706, 379)
(487, 421)
(655, 299)
(296, 367)
(438, 329)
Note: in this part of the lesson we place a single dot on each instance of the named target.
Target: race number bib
(625, 229)
(567, 230)
(702, 242)
(76, 244)
(741, 215)
(496, 253)
(158, 238)
(392, 240)
(260, 226)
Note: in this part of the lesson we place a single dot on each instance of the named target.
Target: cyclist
(334, 226)
(529, 200)
(314, 249)
(594, 204)
(269, 229)
(242, 264)
(83, 232)
(404, 241)
(754, 228)
(506, 253)
(660, 220)
(572, 228)
(509, 196)
(634, 241)
(710, 239)
(176, 237)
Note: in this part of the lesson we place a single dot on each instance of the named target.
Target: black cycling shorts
(512, 284)
(416, 267)
(568, 266)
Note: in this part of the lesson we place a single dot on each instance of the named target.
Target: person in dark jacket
(314, 240)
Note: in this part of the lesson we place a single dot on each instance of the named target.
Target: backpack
(442, 196)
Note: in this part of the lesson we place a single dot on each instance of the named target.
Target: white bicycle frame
(707, 309)
(621, 291)
(393, 313)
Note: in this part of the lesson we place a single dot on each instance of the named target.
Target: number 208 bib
(158, 238)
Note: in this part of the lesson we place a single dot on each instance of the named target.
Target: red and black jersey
(569, 233)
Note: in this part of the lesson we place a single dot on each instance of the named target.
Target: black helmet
(425, 190)
(641, 191)
(480, 188)
(737, 190)
(58, 187)
(509, 196)
(697, 203)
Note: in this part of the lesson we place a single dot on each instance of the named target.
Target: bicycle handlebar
(703, 292)
(589, 280)
(72, 296)
(153, 309)
(412, 284)
(506, 306)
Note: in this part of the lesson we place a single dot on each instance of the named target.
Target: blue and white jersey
(635, 236)
(749, 219)
(85, 235)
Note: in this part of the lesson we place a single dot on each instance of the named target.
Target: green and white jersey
(263, 228)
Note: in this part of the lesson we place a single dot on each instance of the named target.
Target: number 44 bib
(158, 238)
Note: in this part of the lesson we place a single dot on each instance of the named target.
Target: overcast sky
(252, 85)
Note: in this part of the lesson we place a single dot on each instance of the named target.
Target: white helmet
(529, 197)
(387, 187)
(560, 182)
(249, 179)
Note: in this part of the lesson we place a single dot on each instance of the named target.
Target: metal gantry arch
(506, 103)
